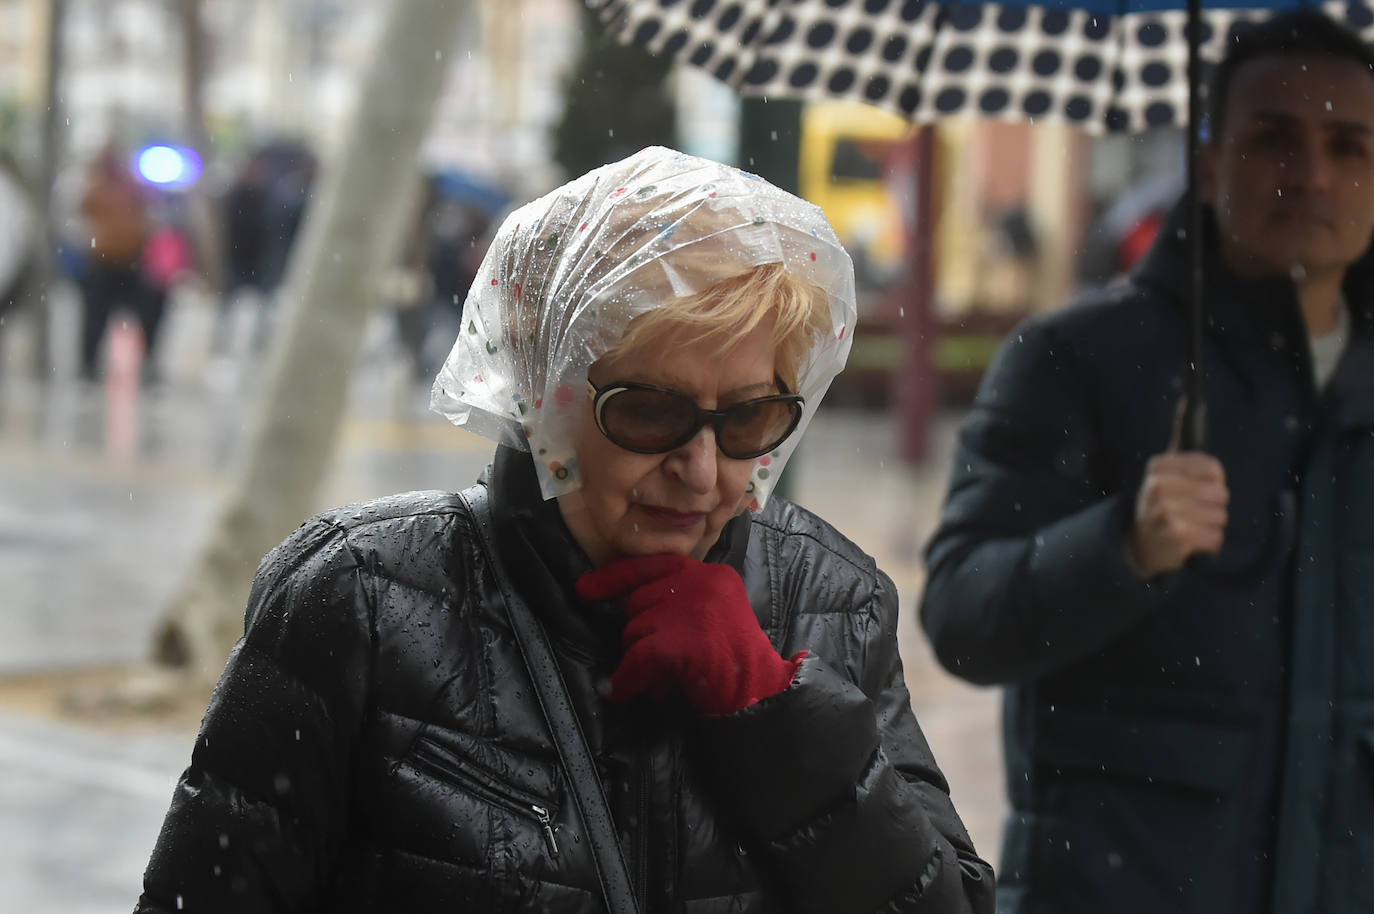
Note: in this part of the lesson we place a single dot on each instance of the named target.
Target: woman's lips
(671, 518)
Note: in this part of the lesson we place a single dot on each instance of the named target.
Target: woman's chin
(664, 543)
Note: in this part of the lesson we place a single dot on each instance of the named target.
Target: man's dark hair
(1300, 32)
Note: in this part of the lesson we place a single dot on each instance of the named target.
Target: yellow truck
(843, 169)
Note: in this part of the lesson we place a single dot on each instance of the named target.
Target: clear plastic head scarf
(566, 274)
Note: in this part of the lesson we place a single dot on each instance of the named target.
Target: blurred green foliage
(617, 101)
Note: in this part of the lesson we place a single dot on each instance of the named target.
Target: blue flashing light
(169, 166)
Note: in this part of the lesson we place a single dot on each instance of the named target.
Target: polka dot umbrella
(1103, 65)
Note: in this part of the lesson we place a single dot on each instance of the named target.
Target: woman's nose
(696, 463)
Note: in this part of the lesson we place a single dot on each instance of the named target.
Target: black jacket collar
(1246, 316)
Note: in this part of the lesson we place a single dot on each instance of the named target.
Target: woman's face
(678, 502)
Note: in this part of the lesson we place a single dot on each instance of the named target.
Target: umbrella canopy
(1103, 65)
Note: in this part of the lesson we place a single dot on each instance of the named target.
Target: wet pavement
(104, 498)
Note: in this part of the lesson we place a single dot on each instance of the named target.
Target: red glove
(690, 628)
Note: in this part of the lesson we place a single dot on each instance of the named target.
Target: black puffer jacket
(375, 743)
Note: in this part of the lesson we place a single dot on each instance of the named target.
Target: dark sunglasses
(651, 420)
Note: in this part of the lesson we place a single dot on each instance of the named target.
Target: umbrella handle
(1192, 433)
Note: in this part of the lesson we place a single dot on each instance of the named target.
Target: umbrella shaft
(1195, 410)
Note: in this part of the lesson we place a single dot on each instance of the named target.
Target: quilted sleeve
(257, 818)
(841, 790)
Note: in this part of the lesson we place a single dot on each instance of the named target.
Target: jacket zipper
(485, 784)
(646, 780)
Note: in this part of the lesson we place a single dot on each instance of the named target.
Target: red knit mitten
(690, 628)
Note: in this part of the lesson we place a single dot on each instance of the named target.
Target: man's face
(1291, 173)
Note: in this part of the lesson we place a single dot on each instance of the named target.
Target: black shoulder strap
(562, 721)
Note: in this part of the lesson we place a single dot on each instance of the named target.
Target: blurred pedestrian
(615, 675)
(1187, 636)
(442, 255)
(115, 208)
(262, 211)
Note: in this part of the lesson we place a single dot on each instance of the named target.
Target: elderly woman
(615, 675)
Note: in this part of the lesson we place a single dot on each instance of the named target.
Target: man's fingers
(1170, 492)
(1188, 464)
(1195, 526)
(1194, 538)
(1167, 512)
(1173, 538)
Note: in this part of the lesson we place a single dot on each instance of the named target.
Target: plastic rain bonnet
(566, 274)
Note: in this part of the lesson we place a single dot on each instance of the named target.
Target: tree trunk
(204, 223)
(330, 290)
(38, 292)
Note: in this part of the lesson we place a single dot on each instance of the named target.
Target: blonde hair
(730, 310)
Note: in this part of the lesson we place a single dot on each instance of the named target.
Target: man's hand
(1180, 510)
(691, 629)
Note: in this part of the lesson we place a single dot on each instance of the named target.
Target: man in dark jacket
(1188, 638)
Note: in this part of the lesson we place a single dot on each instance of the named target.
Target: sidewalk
(91, 546)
